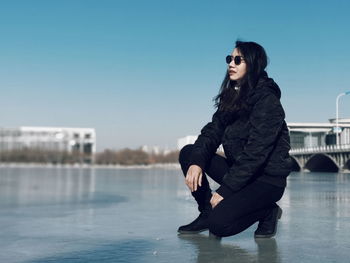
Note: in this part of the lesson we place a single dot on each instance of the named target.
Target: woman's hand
(194, 177)
(215, 199)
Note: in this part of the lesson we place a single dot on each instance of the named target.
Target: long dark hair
(231, 99)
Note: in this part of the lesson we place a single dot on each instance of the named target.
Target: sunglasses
(237, 59)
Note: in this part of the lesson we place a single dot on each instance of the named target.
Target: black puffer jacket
(256, 144)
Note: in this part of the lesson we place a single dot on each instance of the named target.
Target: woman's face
(237, 72)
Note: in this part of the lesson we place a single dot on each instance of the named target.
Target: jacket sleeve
(266, 121)
(208, 141)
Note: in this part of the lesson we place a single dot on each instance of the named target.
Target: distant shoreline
(95, 166)
(168, 166)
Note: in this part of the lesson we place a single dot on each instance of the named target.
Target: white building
(81, 140)
(306, 135)
(151, 149)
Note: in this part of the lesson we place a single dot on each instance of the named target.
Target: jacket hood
(268, 83)
(264, 85)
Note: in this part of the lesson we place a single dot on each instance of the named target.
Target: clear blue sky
(145, 72)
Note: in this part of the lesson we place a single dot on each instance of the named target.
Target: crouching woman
(249, 123)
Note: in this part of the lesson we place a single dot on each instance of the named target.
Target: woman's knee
(185, 153)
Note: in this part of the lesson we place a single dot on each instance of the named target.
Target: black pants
(239, 211)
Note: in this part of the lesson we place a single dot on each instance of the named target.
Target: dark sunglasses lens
(237, 60)
(228, 59)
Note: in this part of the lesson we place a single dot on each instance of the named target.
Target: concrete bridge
(330, 158)
(315, 148)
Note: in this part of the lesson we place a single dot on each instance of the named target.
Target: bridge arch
(296, 166)
(322, 162)
(347, 165)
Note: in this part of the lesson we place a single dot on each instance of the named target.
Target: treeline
(132, 157)
(107, 157)
(30, 155)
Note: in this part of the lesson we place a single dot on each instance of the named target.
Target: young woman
(249, 123)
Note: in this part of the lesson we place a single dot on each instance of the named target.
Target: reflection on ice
(25, 186)
(119, 251)
(211, 250)
(132, 215)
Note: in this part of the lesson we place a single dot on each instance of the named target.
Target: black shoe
(198, 225)
(268, 226)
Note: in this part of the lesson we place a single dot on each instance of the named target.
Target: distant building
(155, 150)
(151, 149)
(307, 135)
(80, 140)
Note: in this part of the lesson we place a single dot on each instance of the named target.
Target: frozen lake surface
(132, 215)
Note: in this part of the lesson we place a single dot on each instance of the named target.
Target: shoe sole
(279, 215)
(192, 232)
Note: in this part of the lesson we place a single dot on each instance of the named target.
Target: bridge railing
(321, 149)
